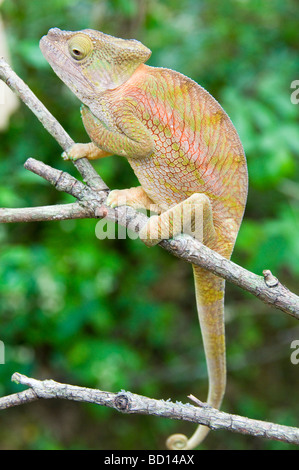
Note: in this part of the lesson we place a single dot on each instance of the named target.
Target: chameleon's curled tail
(209, 298)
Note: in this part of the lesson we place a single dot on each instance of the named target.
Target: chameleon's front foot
(75, 152)
(90, 151)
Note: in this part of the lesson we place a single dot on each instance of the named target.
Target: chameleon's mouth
(63, 66)
(48, 48)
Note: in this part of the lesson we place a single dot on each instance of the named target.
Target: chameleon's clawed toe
(65, 156)
(116, 198)
(74, 152)
(148, 233)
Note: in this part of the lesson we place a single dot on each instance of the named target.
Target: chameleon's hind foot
(192, 216)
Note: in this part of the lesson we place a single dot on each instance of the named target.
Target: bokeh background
(113, 314)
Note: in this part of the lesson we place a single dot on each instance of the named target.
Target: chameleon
(184, 150)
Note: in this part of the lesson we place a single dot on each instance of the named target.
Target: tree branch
(131, 403)
(267, 288)
(17, 85)
(91, 199)
(43, 213)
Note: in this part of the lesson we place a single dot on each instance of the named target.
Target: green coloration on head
(91, 62)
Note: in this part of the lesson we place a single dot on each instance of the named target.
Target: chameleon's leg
(209, 298)
(192, 216)
(129, 139)
(90, 151)
(134, 197)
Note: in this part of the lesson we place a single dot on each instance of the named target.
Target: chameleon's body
(183, 149)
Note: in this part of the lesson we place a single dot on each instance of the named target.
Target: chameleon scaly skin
(184, 150)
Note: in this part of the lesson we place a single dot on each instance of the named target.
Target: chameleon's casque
(184, 150)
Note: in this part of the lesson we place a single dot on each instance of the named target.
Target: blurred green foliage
(113, 314)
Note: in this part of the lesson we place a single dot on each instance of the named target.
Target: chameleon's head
(90, 62)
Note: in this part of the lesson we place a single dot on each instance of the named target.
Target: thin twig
(131, 403)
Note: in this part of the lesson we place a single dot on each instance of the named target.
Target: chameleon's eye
(80, 46)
